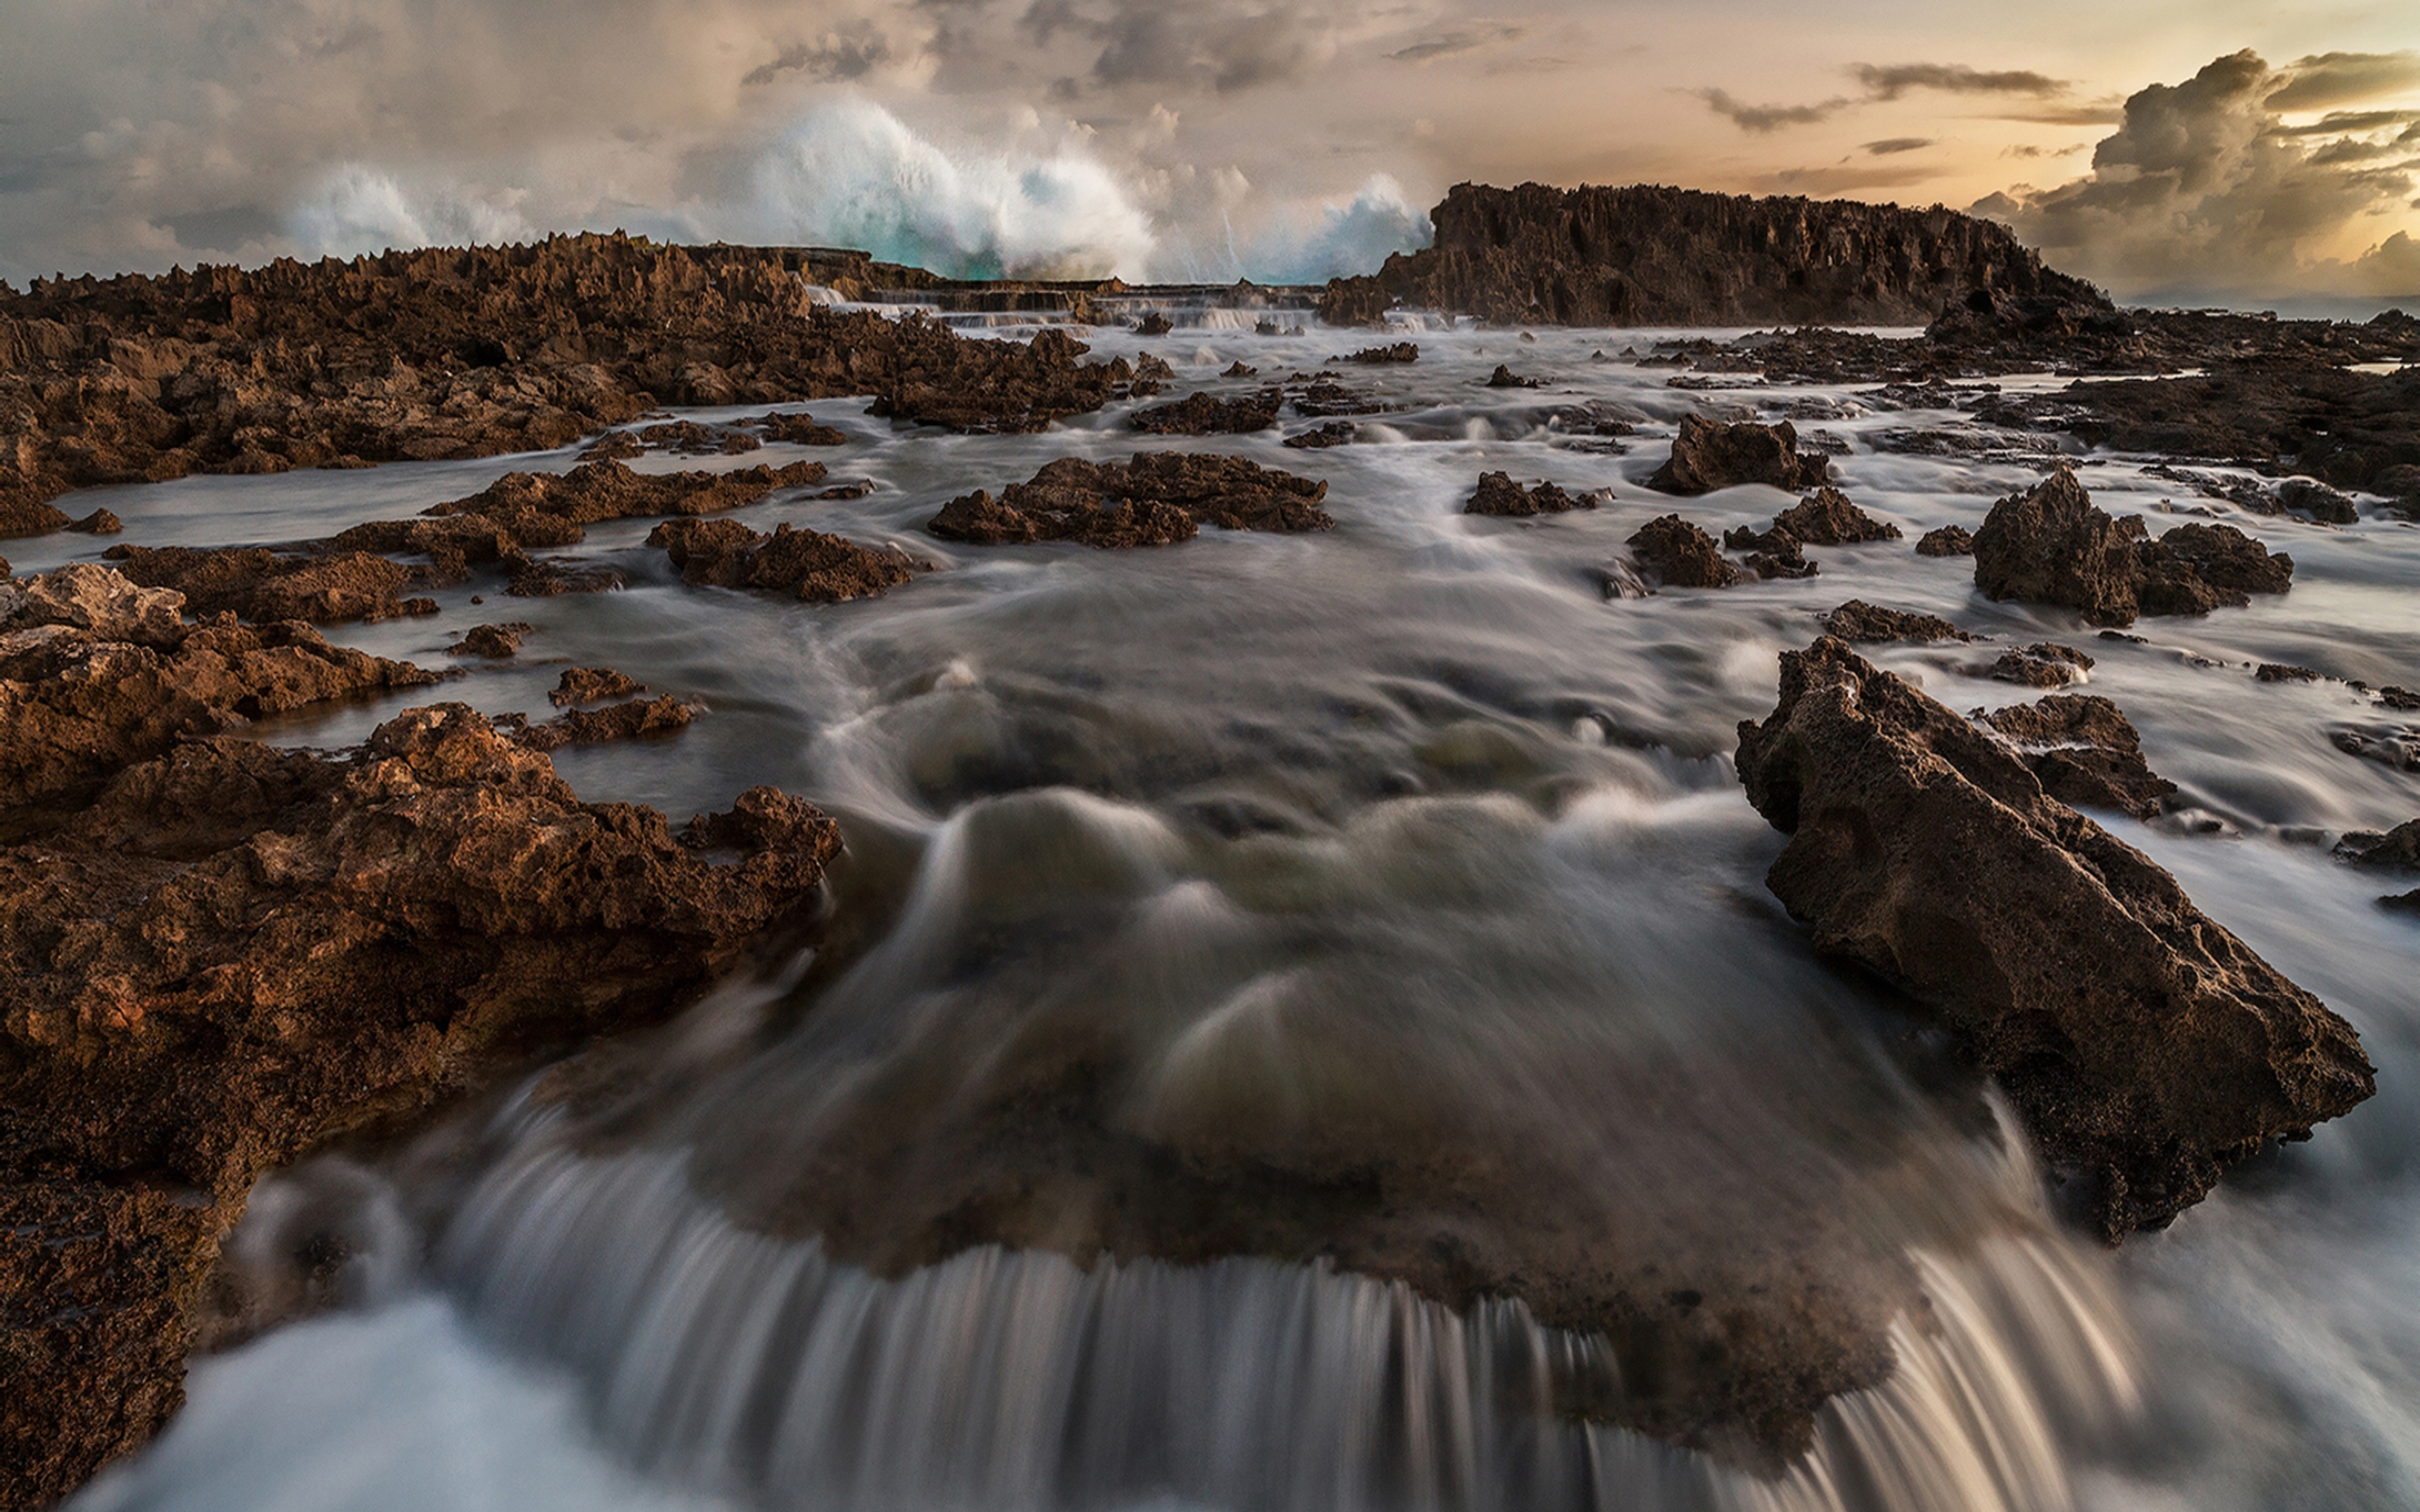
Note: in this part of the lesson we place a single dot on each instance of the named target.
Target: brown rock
(1709, 455)
(1202, 415)
(1677, 553)
(580, 685)
(1396, 351)
(2050, 545)
(1497, 494)
(1237, 369)
(620, 721)
(2281, 672)
(495, 641)
(1950, 540)
(1857, 621)
(1334, 433)
(1156, 499)
(2085, 753)
(799, 430)
(2145, 1046)
(264, 586)
(690, 438)
(803, 563)
(1504, 377)
(1826, 518)
(99, 523)
(237, 953)
(2397, 849)
(613, 446)
(2042, 664)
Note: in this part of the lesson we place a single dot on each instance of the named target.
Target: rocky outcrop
(2145, 1047)
(98, 673)
(1334, 433)
(578, 685)
(1156, 499)
(1497, 494)
(1947, 541)
(1650, 256)
(2084, 752)
(1709, 455)
(805, 564)
(265, 586)
(2395, 849)
(454, 353)
(798, 430)
(1203, 415)
(2050, 545)
(621, 721)
(1676, 554)
(1392, 352)
(1826, 518)
(237, 953)
(491, 642)
(2043, 665)
(1857, 622)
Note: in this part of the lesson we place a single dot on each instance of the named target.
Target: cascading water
(1306, 1030)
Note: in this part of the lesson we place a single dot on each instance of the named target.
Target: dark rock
(264, 586)
(620, 721)
(530, 578)
(1335, 432)
(2050, 545)
(1503, 377)
(1857, 621)
(689, 439)
(1650, 256)
(2085, 753)
(1152, 323)
(1237, 369)
(578, 685)
(1156, 499)
(2280, 672)
(2040, 665)
(2145, 1046)
(805, 564)
(492, 641)
(798, 430)
(1497, 494)
(1399, 351)
(237, 953)
(1202, 415)
(1826, 518)
(1709, 455)
(2317, 500)
(99, 523)
(1949, 540)
(1676, 554)
(2397, 849)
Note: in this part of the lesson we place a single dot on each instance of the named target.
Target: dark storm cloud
(1890, 144)
(830, 59)
(1223, 47)
(1891, 82)
(2344, 78)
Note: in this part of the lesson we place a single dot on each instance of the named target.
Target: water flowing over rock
(1679, 554)
(236, 953)
(1497, 494)
(805, 564)
(1709, 455)
(453, 352)
(2084, 751)
(1649, 256)
(1204, 415)
(2043, 665)
(1857, 621)
(2147, 1048)
(1157, 499)
(2050, 545)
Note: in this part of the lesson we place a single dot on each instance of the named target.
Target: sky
(2207, 151)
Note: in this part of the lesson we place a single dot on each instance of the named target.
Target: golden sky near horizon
(2216, 148)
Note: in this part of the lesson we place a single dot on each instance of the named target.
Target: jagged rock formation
(1947, 541)
(454, 353)
(2050, 545)
(2147, 1048)
(1156, 499)
(1203, 415)
(1709, 455)
(1651, 255)
(805, 564)
(1497, 494)
(1857, 621)
(2084, 751)
(1676, 554)
(2043, 665)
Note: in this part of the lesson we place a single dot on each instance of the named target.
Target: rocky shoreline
(225, 954)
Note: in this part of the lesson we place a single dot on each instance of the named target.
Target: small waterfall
(762, 1371)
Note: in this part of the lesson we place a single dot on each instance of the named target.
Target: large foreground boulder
(237, 953)
(2145, 1047)
(2051, 545)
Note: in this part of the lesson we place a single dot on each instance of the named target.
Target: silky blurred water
(1396, 851)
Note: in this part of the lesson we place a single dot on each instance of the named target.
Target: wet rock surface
(1334, 433)
(2051, 545)
(1649, 256)
(622, 721)
(98, 673)
(2145, 1047)
(578, 685)
(1947, 541)
(1156, 499)
(805, 564)
(234, 954)
(258, 584)
(1497, 494)
(1826, 518)
(493, 642)
(2085, 752)
(449, 352)
(1858, 622)
(1205, 414)
(1676, 554)
(1709, 455)
(2043, 665)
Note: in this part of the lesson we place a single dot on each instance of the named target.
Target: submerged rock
(2043, 665)
(2397, 849)
(1156, 499)
(1334, 433)
(1677, 553)
(1504, 377)
(1497, 494)
(2050, 545)
(1709, 455)
(798, 430)
(2145, 1047)
(805, 564)
(1859, 621)
(238, 953)
(2085, 752)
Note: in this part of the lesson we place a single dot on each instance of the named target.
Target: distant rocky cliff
(1649, 256)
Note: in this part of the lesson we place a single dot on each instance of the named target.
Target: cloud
(1890, 144)
(2391, 267)
(1220, 47)
(1891, 82)
(2201, 190)
(2344, 78)
(1449, 44)
(831, 57)
(1766, 118)
(1846, 179)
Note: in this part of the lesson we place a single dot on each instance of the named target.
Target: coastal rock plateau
(2146, 1048)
